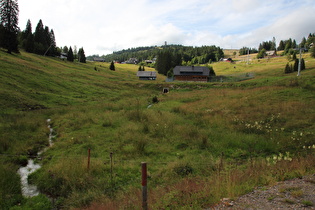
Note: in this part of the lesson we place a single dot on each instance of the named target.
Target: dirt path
(291, 194)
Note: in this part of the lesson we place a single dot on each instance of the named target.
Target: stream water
(29, 190)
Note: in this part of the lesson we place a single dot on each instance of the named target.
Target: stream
(29, 190)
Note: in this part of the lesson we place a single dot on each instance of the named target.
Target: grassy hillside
(202, 141)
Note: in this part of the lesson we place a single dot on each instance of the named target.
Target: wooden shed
(146, 75)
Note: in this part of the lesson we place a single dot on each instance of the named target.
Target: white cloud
(102, 26)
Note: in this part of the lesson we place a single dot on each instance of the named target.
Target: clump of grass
(307, 203)
(297, 193)
(270, 198)
(289, 201)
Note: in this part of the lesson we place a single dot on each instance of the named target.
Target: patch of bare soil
(298, 193)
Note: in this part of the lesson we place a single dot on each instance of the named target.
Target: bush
(183, 170)
(155, 99)
(288, 69)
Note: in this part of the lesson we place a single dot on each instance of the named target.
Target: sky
(104, 26)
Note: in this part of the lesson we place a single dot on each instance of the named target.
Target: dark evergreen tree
(303, 43)
(9, 12)
(296, 65)
(65, 49)
(281, 45)
(164, 62)
(288, 46)
(294, 56)
(293, 44)
(70, 55)
(53, 47)
(29, 43)
(268, 45)
(302, 64)
(39, 39)
(26, 32)
(287, 69)
(2, 32)
(112, 66)
(81, 56)
(27, 38)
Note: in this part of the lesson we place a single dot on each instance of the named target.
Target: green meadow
(202, 141)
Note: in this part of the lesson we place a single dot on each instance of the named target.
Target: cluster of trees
(189, 55)
(294, 68)
(41, 42)
(247, 50)
(74, 54)
(287, 46)
(166, 61)
(268, 45)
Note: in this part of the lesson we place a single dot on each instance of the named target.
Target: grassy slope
(107, 112)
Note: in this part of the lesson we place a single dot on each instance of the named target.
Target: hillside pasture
(202, 141)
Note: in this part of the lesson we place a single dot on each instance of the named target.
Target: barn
(191, 73)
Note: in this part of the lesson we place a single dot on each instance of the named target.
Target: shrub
(288, 69)
(183, 170)
(155, 99)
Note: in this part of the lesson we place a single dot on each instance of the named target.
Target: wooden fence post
(89, 158)
(144, 186)
(111, 167)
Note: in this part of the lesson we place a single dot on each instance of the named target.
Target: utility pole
(247, 56)
(299, 67)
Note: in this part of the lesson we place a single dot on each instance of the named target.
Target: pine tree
(39, 38)
(9, 11)
(81, 56)
(296, 65)
(164, 62)
(2, 35)
(29, 43)
(27, 30)
(287, 69)
(28, 38)
(302, 64)
(70, 55)
(281, 45)
(53, 50)
(294, 44)
(303, 43)
(65, 49)
(112, 66)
